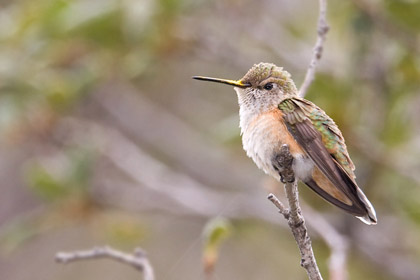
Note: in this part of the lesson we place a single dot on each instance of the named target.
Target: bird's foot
(287, 178)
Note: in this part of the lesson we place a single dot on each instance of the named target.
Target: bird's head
(262, 88)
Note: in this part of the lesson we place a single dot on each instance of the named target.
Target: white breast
(262, 138)
(260, 144)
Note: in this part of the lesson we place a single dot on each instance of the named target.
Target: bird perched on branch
(272, 114)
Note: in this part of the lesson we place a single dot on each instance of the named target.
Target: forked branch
(293, 215)
(138, 259)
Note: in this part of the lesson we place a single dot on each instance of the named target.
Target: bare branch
(295, 219)
(137, 260)
(319, 45)
(282, 209)
(210, 161)
(337, 243)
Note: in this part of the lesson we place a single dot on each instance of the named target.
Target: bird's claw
(289, 179)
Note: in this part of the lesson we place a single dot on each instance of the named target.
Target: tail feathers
(370, 217)
(357, 205)
(367, 220)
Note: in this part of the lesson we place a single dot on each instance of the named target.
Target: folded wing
(333, 176)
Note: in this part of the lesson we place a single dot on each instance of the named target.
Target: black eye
(268, 86)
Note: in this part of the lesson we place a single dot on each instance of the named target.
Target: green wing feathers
(299, 109)
(323, 142)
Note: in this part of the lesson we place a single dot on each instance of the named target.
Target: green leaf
(215, 232)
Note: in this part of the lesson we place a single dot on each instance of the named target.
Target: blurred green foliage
(62, 175)
(405, 12)
(53, 51)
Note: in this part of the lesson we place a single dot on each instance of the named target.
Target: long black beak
(238, 83)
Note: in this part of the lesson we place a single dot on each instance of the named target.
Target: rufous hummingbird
(272, 114)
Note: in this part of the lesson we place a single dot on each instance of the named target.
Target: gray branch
(138, 259)
(338, 243)
(294, 215)
(319, 46)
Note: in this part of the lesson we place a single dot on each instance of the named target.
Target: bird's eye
(268, 86)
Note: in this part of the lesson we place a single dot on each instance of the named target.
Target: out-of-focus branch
(294, 216)
(138, 259)
(160, 129)
(381, 250)
(319, 45)
(153, 179)
(337, 243)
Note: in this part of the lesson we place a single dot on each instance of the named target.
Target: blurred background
(106, 139)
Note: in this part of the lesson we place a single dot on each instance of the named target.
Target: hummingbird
(272, 114)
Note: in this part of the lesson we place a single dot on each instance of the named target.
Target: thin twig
(282, 209)
(138, 259)
(319, 45)
(295, 220)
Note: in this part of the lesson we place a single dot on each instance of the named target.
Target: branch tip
(322, 31)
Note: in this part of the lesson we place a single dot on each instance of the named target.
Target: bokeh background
(106, 139)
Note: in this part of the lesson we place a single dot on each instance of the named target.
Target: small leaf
(215, 232)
